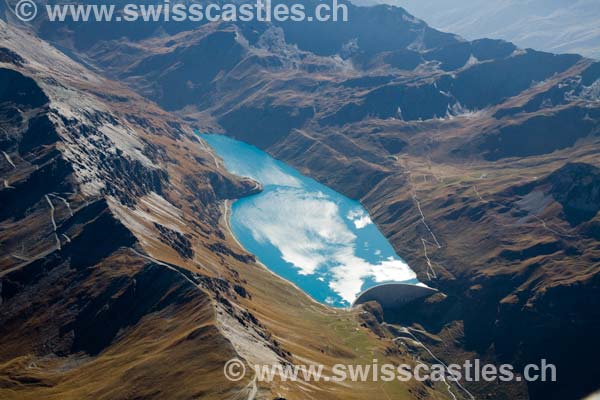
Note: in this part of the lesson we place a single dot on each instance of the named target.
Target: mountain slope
(452, 146)
(118, 275)
(555, 26)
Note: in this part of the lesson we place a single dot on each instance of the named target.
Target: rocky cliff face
(78, 290)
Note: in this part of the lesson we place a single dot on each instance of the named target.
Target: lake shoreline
(305, 232)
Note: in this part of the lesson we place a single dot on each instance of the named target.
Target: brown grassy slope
(164, 327)
(521, 278)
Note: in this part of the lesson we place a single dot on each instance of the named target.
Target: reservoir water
(305, 232)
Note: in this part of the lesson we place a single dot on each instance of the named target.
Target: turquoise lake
(305, 232)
